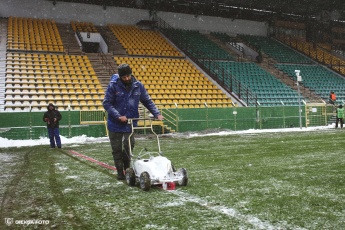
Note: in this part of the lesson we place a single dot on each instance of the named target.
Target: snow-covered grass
(263, 179)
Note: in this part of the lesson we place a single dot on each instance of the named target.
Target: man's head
(340, 106)
(51, 106)
(125, 74)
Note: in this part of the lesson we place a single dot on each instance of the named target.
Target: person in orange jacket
(332, 98)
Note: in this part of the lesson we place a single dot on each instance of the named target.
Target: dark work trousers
(54, 137)
(120, 150)
(341, 120)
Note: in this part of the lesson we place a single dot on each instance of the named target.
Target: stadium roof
(261, 10)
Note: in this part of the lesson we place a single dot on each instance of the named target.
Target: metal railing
(232, 85)
(108, 64)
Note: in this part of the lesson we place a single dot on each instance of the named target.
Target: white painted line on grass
(231, 212)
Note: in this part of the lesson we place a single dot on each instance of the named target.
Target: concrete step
(69, 40)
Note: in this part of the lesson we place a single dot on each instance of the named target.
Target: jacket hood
(114, 78)
(50, 104)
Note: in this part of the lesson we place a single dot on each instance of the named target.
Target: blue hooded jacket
(118, 101)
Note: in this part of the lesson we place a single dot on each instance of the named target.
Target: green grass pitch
(290, 180)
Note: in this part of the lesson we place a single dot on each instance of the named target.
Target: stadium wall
(30, 125)
(65, 12)
(240, 118)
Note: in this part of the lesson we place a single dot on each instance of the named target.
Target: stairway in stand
(68, 39)
(104, 66)
(114, 46)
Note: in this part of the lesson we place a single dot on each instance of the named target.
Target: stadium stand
(274, 49)
(197, 44)
(319, 52)
(33, 80)
(222, 36)
(33, 35)
(143, 42)
(245, 77)
(84, 27)
(317, 78)
(269, 90)
(44, 73)
(171, 80)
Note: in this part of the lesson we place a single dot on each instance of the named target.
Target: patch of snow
(254, 131)
(6, 143)
(172, 204)
(6, 158)
(71, 177)
(66, 190)
(60, 167)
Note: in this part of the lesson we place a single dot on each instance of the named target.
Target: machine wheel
(130, 177)
(184, 180)
(145, 181)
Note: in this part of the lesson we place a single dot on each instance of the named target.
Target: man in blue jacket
(121, 101)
